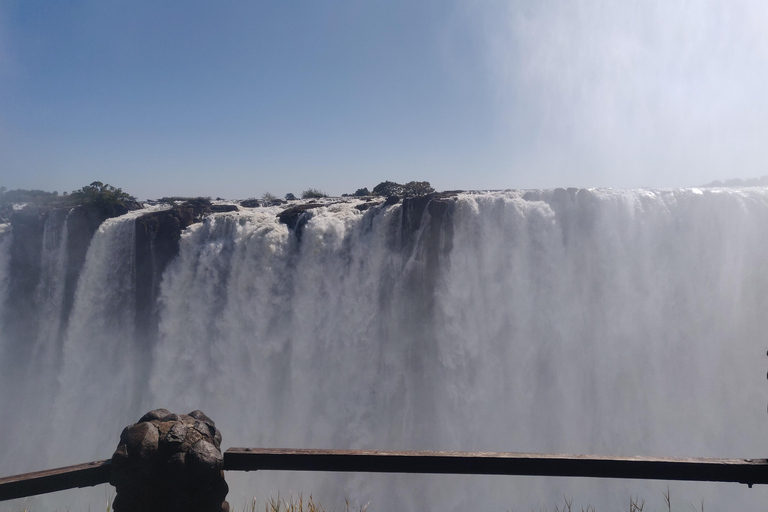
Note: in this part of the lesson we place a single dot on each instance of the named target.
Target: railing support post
(169, 463)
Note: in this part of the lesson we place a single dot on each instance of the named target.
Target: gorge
(594, 321)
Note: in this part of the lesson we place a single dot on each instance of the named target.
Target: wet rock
(220, 208)
(296, 217)
(364, 206)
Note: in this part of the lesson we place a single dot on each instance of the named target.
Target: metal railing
(745, 471)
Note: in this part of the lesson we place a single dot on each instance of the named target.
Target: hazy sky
(235, 98)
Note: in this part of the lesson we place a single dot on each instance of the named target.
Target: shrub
(312, 193)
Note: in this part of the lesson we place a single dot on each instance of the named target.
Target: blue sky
(235, 98)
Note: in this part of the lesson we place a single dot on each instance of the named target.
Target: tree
(109, 200)
(102, 194)
(410, 189)
(388, 189)
(417, 188)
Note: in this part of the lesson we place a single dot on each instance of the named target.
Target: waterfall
(50, 290)
(5, 261)
(623, 322)
(28, 386)
(104, 365)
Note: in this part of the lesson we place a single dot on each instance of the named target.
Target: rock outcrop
(296, 217)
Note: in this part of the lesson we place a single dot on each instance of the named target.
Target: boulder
(169, 463)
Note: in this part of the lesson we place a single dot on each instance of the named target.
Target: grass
(636, 504)
(297, 505)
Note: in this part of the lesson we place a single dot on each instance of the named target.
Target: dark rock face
(169, 463)
(296, 218)
(426, 235)
(220, 208)
(439, 206)
(364, 206)
(157, 243)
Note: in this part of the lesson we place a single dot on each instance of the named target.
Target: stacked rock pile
(169, 462)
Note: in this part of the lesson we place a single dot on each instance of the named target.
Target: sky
(235, 99)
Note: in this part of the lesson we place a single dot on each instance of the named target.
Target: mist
(629, 94)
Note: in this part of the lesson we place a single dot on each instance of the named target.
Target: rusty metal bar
(746, 471)
(52, 480)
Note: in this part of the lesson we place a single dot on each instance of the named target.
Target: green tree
(110, 200)
(103, 195)
(417, 188)
(388, 189)
(410, 189)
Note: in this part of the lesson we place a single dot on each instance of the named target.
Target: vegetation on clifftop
(96, 193)
(105, 198)
(11, 197)
(111, 201)
(393, 189)
(313, 193)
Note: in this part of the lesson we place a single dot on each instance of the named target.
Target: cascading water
(99, 362)
(27, 389)
(50, 290)
(5, 244)
(591, 321)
